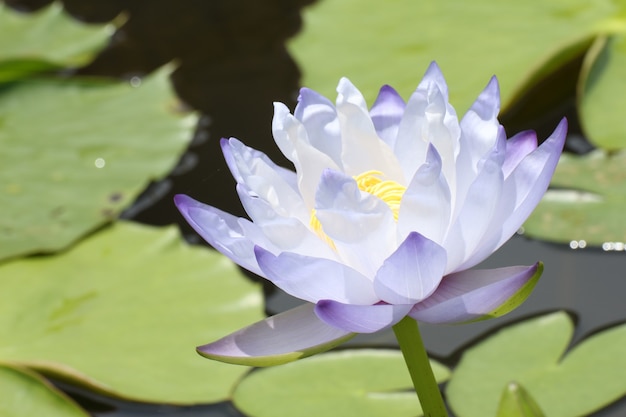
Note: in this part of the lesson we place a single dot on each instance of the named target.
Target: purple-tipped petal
(285, 337)
(314, 279)
(434, 76)
(517, 147)
(368, 151)
(222, 230)
(478, 294)
(242, 161)
(319, 117)
(360, 318)
(412, 272)
(531, 177)
(522, 191)
(480, 124)
(386, 114)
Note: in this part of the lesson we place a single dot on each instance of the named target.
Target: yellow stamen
(371, 182)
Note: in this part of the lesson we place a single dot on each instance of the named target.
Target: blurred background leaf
(25, 394)
(46, 40)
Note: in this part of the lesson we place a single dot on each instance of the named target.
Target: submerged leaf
(517, 402)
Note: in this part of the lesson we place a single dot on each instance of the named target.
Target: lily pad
(122, 312)
(586, 202)
(44, 40)
(589, 376)
(76, 152)
(347, 383)
(603, 93)
(375, 43)
(23, 393)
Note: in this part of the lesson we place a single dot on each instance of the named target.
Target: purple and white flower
(385, 214)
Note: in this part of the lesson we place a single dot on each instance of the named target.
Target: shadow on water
(231, 65)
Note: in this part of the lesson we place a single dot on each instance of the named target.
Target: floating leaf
(75, 153)
(359, 383)
(375, 43)
(122, 313)
(48, 35)
(25, 394)
(586, 203)
(587, 378)
(603, 93)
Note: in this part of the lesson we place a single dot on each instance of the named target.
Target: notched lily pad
(77, 152)
(23, 393)
(375, 43)
(122, 312)
(586, 202)
(533, 353)
(602, 93)
(347, 383)
(45, 40)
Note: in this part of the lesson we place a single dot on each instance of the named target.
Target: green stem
(416, 359)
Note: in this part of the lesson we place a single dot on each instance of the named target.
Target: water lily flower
(386, 213)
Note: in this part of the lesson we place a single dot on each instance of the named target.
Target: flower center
(371, 182)
(389, 191)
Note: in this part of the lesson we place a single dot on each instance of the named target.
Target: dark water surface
(232, 64)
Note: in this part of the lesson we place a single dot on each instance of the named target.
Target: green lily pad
(603, 93)
(45, 40)
(347, 383)
(586, 203)
(122, 312)
(375, 43)
(76, 152)
(589, 376)
(25, 394)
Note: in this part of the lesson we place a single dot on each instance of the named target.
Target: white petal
(259, 177)
(291, 138)
(319, 117)
(412, 272)
(361, 226)
(428, 118)
(314, 279)
(426, 203)
(362, 149)
(476, 215)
